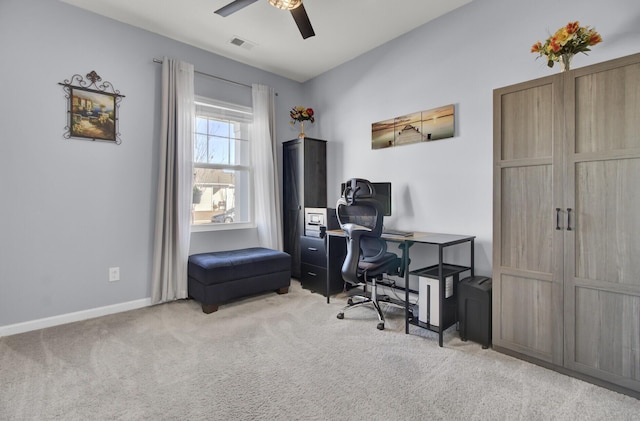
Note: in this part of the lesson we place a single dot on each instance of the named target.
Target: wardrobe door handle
(558, 219)
(568, 219)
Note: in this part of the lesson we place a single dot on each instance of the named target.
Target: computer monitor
(383, 194)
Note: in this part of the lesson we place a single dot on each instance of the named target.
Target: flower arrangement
(301, 114)
(567, 41)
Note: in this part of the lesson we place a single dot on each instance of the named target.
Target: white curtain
(173, 208)
(264, 161)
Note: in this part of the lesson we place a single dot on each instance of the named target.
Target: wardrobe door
(527, 262)
(602, 270)
(293, 201)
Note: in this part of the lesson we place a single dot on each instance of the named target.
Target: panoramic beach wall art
(421, 126)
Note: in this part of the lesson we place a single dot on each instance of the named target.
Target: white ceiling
(344, 28)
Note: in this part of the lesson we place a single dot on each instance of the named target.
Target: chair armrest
(353, 228)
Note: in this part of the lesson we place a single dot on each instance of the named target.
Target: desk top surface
(418, 237)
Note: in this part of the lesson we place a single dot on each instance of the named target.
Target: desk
(439, 271)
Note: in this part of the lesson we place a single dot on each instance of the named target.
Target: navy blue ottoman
(222, 276)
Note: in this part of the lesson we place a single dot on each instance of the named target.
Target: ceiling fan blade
(302, 20)
(233, 7)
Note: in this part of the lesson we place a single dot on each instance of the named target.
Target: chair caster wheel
(381, 326)
(350, 302)
(340, 316)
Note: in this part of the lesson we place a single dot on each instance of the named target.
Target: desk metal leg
(328, 276)
(443, 287)
(405, 252)
(472, 259)
(406, 297)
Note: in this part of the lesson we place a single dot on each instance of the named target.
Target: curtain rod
(155, 60)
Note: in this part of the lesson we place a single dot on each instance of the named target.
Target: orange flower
(595, 39)
(536, 47)
(572, 27)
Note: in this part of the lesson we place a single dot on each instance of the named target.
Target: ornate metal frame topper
(92, 111)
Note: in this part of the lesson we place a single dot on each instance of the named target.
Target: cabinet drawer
(312, 251)
(313, 278)
(313, 273)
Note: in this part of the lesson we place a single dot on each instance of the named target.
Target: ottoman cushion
(225, 266)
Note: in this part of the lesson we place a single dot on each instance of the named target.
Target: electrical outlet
(114, 274)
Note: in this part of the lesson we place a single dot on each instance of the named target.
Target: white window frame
(213, 108)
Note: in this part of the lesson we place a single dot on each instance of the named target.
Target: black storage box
(474, 309)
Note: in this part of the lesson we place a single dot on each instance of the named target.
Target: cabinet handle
(312, 249)
(568, 219)
(312, 274)
(558, 219)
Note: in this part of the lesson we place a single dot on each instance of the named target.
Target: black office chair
(361, 217)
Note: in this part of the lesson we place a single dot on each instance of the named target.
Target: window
(222, 168)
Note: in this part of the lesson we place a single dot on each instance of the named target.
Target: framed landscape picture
(92, 108)
(421, 126)
(93, 114)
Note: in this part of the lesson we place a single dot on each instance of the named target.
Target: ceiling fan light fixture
(285, 4)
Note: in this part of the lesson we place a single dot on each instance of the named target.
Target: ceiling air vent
(237, 41)
(247, 45)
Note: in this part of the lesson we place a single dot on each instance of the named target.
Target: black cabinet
(304, 172)
(315, 274)
(313, 264)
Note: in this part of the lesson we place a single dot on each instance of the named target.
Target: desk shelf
(447, 270)
(448, 306)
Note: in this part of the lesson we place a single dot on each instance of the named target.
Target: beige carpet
(282, 357)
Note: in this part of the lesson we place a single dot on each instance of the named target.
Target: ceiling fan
(295, 6)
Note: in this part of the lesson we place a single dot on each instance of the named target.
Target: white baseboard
(72, 317)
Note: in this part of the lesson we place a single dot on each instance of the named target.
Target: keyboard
(397, 232)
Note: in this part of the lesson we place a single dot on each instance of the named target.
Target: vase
(301, 135)
(565, 62)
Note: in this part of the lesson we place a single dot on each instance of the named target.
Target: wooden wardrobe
(566, 246)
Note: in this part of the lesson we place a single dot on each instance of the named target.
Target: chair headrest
(358, 188)
(358, 205)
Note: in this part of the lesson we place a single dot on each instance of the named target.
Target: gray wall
(460, 58)
(72, 208)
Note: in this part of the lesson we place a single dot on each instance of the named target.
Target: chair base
(365, 301)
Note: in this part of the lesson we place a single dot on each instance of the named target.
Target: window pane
(220, 196)
(220, 151)
(219, 128)
(200, 148)
(228, 151)
(201, 125)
